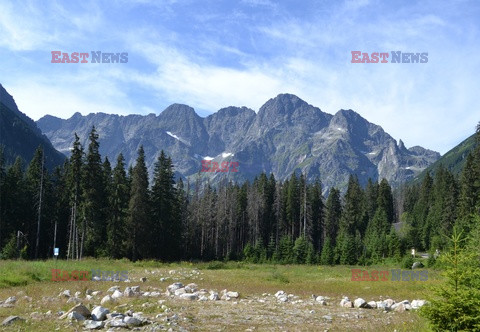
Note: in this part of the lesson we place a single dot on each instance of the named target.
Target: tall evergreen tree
(74, 174)
(166, 226)
(94, 199)
(333, 213)
(138, 222)
(119, 198)
(385, 200)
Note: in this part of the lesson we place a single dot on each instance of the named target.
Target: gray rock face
(286, 134)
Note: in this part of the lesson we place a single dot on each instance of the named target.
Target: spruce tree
(116, 227)
(327, 256)
(166, 224)
(385, 200)
(333, 212)
(455, 304)
(139, 233)
(94, 202)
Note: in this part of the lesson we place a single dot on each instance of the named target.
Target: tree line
(87, 208)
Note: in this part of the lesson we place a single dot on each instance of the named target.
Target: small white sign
(56, 251)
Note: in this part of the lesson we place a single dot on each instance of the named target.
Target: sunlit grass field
(33, 279)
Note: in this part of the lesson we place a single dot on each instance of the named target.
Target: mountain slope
(454, 160)
(20, 136)
(286, 135)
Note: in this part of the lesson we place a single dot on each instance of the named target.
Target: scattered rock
(281, 296)
(65, 293)
(416, 304)
(132, 321)
(173, 287)
(399, 307)
(359, 303)
(75, 316)
(189, 296)
(128, 292)
(113, 289)
(388, 303)
(80, 309)
(232, 294)
(93, 325)
(417, 265)
(116, 323)
(107, 299)
(117, 294)
(11, 319)
(11, 300)
(99, 313)
(372, 304)
(180, 291)
(346, 303)
(74, 300)
(136, 289)
(143, 279)
(191, 288)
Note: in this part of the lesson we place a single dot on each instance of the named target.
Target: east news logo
(382, 57)
(97, 57)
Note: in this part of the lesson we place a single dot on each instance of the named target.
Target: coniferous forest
(93, 207)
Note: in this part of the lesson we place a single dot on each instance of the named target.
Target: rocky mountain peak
(287, 134)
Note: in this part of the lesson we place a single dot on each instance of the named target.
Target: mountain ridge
(287, 134)
(20, 135)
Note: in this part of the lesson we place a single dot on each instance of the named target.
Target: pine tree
(375, 237)
(293, 206)
(74, 175)
(317, 214)
(35, 183)
(371, 195)
(333, 212)
(385, 200)
(17, 207)
(353, 214)
(166, 225)
(300, 250)
(285, 250)
(394, 245)
(327, 256)
(138, 222)
(116, 227)
(94, 200)
(455, 304)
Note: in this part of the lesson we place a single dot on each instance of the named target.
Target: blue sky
(213, 54)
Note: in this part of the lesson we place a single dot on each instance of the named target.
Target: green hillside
(452, 160)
